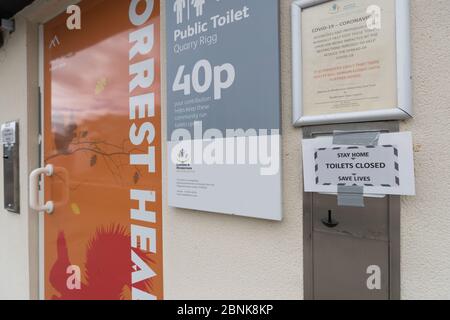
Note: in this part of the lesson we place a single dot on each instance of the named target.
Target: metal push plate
(11, 186)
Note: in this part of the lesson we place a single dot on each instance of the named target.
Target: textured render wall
(18, 233)
(425, 241)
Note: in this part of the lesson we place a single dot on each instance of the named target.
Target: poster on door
(223, 106)
(102, 124)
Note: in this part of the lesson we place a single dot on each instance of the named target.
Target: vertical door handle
(329, 221)
(34, 190)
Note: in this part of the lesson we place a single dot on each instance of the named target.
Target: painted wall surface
(425, 225)
(18, 101)
(210, 256)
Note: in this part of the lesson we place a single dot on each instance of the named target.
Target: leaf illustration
(126, 293)
(75, 209)
(101, 85)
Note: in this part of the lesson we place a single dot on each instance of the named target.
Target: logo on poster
(374, 22)
(183, 160)
(179, 7)
(198, 5)
(54, 42)
(335, 8)
(183, 156)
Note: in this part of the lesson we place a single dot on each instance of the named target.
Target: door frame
(41, 162)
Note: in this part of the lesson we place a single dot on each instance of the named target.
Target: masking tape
(350, 196)
(356, 138)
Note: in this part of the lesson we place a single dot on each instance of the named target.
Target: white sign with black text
(8, 133)
(386, 168)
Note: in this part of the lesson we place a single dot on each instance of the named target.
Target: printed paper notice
(349, 57)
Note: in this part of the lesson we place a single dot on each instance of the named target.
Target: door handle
(34, 190)
(330, 222)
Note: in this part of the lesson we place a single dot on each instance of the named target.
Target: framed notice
(351, 61)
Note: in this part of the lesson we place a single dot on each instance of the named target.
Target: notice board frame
(404, 109)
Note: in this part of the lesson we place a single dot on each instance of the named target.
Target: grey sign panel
(223, 82)
(243, 34)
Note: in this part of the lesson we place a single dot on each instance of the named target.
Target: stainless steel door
(350, 252)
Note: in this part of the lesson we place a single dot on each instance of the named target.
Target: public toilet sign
(367, 166)
(386, 168)
(223, 106)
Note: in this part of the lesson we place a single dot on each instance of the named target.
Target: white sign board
(387, 168)
(8, 133)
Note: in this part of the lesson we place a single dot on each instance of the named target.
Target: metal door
(351, 252)
(346, 254)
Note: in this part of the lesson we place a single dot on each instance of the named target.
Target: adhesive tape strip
(350, 196)
(356, 138)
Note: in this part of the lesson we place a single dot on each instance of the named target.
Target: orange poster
(102, 134)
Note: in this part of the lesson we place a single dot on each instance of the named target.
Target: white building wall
(214, 256)
(425, 225)
(18, 101)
